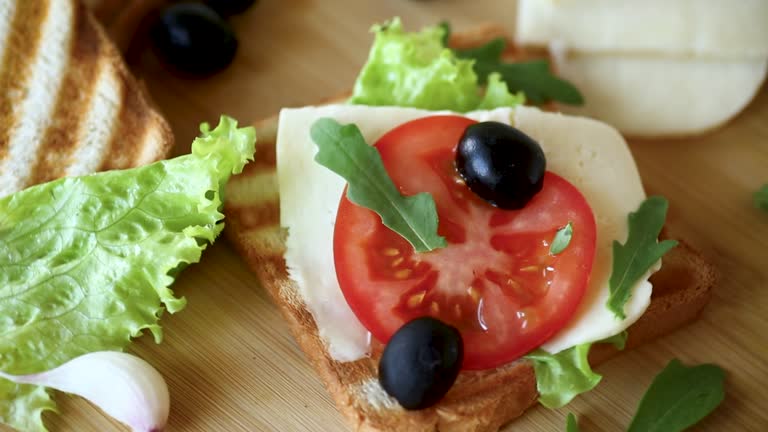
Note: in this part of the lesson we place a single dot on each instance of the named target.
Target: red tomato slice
(496, 281)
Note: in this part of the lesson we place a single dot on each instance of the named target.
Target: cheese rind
(589, 154)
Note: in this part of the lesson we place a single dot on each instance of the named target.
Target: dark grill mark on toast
(252, 217)
(266, 157)
(263, 162)
(20, 51)
(133, 122)
(77, 90)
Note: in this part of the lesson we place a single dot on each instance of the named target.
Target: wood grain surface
(230, 361)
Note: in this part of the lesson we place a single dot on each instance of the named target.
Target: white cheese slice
(593, 157)
(309, 197)
(701, 28)
(589, 154)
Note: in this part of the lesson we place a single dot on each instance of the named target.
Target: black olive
(501, 164)
(194, 39)
(227, 8)
(421, 362)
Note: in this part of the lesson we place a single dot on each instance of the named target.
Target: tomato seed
(434, 308)
(416, 299)
(403, 274)
(474, 294)
(397, 261)
(391, 252)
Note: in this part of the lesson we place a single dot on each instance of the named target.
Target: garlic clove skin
(124, 386)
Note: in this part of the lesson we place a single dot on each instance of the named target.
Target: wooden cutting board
(231, 363)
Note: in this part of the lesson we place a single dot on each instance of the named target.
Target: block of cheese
(654, 67)
(661, 96)
(701, 28)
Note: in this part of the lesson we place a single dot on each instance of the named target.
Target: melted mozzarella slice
(589, 154)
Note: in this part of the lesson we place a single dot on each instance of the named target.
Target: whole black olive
(227, 8)
(194, 39)
(501, 164)
(421, 362)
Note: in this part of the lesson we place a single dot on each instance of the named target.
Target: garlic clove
(124, 386)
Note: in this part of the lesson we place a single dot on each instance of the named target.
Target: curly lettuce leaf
(22, 405)
(563, 376)
(417, 70)
(619, 341)
(85, 263)
(571, 424)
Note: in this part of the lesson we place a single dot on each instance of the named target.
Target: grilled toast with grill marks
(68, 103)
(480, 401)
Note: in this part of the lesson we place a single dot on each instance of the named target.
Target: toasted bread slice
(68, 103)
(479, 400)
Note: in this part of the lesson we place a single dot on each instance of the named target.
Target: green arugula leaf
(344, 151)
(760, 198)
(532, 78)
(498, 95)
(485, 56)
(562, 239)
(570, 423)
(679, 397)
(641, 251)
(445, 26)
(86, 262)
(563, 376)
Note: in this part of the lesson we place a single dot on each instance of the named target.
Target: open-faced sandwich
(446, 255)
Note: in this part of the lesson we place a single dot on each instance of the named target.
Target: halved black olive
(194, 39)
(421, 362)
(500, 164)
(227, 8)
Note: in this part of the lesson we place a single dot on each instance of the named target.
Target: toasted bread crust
(479, 400)
(99, 115)
(61, 135)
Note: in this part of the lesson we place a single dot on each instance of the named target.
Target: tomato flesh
(497, 281)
